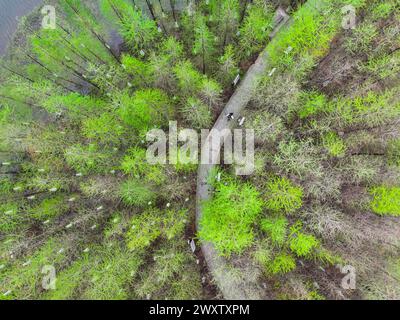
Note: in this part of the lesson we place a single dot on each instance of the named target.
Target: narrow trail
(232, 286)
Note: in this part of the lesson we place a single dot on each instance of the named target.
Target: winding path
(232, 286)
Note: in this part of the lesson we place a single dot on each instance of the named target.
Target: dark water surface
(10, 11)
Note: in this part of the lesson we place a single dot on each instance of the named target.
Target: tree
(255, 30)
(144, 110)
(204, 42)
(228, 66)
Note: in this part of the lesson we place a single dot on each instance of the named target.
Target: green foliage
(197, 113)
(172, 276)
(361, 39)
(87, 159)
(145, 109)
(146, 227)
(139, 71)
(276, 228)
(312, 103)
(282, 196)
(210, 92)
(5, 114)
(112, 277)
(10, 217)
(394, 152)
(189, 79)
(310, 32)
(104, 129)
(301, 244)
(256, 28)
(372, 109)
(228, 218)
(228, 66)
(22, 277)
(135, 164)
(49, 208)
(263, 254)
(173, 49)
(386, 201)
(298, 157)
(133, 192)
(383, 10)
(282, 263)
(204, 42)
(138, 31)
(267, 127)
(334, 144)
(74, 104)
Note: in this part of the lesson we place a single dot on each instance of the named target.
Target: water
(10, 10)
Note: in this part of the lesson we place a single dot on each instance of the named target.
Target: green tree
(204, 42)
(145, 109)
(283, 196)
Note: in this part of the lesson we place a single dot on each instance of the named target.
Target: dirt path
(232, 286)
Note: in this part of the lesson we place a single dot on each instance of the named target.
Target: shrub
(275, 227)
(310, 29)
(173, 223)
(334, 144)
(197, 113)
(138, 31)
(386, 201)
(49, 208)
(104, 129)
(312, 103)
(87, 159)
(139, 71)
(23, 280)
(189, 79)
(210, 92)
(228, 217)
(301, 158)
(135, 164)
(144, 229)
(383, 10)
(112, 276)
(301, 244)
(144, 110)
(283, 196)
(394, 152)
(153, 223)
(133, 192)
(263, 255)
(228, 68)
(173, 275)
(361, 40)
(282, 263)
(267, 127)
(256, 28)
(10, 218)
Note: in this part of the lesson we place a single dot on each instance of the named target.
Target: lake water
(10, 11)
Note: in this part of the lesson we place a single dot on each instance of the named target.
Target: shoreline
(11, 13)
